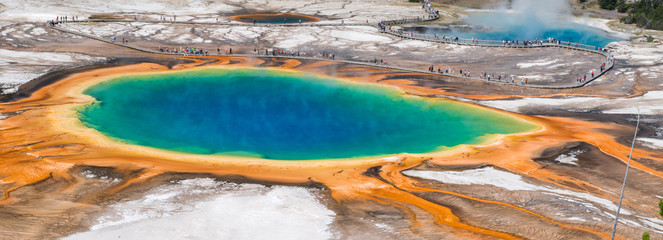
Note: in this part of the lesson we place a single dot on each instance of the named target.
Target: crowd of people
(192, 51)
(503, 78)
(382, 61)
(432, 12)
(450, 70)
(602, 68)
(276, 52)
(506, 78)
(62, 19)
(327, 55)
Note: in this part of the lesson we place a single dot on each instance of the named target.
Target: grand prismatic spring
(188, 120)
(282, 115)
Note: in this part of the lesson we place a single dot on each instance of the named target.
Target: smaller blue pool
(499, 26)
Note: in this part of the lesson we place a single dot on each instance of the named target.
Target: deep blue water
(281, 115)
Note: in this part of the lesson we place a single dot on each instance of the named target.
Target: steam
(532, 15)
(530, 19)
(543, 11)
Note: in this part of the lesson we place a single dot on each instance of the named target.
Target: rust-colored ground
(43, 139)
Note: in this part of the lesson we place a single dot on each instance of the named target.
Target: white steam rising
(530, 14)
(545, 11)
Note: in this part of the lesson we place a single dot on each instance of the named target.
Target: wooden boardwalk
(381, 26)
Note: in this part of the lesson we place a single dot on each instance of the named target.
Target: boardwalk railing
(494, 43)
(364, 63)
(609, 63)
(385, 27)
(223, 23)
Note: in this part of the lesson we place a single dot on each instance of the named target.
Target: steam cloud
(530, 19)
(531, 16)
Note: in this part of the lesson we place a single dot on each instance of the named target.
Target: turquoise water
(521, 27)
(281, 115)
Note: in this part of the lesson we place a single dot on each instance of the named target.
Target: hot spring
(274, 18)
(516, 26)
(282, 115)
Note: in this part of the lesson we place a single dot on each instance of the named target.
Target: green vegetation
(645, 13)
(645, 236)
(660, 208)
(608, 4)
(620, 5)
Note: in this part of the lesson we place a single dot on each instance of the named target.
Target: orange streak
(45, 138)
